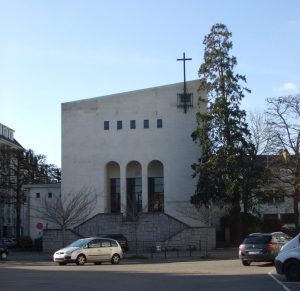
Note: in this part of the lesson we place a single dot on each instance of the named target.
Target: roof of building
(10, 142)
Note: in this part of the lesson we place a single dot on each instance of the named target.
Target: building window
(146, 123)
(119, 124)
(50, 195)
(185, 100)
(134, 196)
(37, 195)
(132, 124)
(106, 125)
(5, 132)
(159, 123)
(115, 201)
(156, 194)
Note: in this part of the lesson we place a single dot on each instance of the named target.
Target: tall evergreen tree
(222, 130)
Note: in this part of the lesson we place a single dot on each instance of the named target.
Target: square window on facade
(106, 125)
(119, 124)
(132, 124)
(146, 123)
(37, 195)
(159, 123)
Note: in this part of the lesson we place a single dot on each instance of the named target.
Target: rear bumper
(257, 258)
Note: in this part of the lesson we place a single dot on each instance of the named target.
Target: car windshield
(79, 243)
(257, 239)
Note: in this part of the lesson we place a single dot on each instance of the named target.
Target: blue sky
(55, 51)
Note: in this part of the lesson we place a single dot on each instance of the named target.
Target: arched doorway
(134, 188)
(113, 189)
(155, 186)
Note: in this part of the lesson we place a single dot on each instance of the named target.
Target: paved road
(172, 276)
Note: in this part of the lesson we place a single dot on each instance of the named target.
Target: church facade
(134, 150)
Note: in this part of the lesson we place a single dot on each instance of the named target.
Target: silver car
(93, 249)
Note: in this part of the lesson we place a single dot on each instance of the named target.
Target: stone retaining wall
(144, 233)
(197, 238)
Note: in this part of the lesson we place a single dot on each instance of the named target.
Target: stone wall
(52, 239)
(144, 233)
(197, 238)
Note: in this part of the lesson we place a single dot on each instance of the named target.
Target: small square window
(146, 123)
(50, 195)
(159, 123)
(119, 124)
(132, 124)
(106, 125)
(37, 195)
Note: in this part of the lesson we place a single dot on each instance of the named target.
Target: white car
(288, 260)
(93, 249)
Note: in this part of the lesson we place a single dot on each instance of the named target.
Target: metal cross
(184, 59)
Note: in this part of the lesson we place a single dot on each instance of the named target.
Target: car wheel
(80, 261)
(246, 263)
(115, 259)
(292, 271)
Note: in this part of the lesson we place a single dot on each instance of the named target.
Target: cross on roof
(184, 59)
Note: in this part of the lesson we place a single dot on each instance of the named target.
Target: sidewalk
(18, 256)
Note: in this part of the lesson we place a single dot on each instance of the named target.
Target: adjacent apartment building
(7, 200)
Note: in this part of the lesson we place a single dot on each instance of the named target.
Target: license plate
(253, 253)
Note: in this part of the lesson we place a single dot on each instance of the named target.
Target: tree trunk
(63, 235)
(236, 234)
(296, 211)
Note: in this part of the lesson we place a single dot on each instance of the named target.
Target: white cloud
(288, 87)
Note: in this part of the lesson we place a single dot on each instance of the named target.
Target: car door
(106, 249)
(92, 250)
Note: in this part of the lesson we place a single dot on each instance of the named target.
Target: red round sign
(39, 225)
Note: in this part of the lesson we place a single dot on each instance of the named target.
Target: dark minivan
(261, 247)
(120, 238)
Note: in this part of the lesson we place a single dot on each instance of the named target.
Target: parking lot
(189, 274)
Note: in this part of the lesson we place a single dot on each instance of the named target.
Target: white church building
(135, 151)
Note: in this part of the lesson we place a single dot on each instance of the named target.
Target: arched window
(155, 187)
(134, 188)
(113, 182)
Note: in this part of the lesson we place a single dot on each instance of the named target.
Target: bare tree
(284, 122)
(18, 167)
(68, 210)
(260, 131)
(134, 213)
